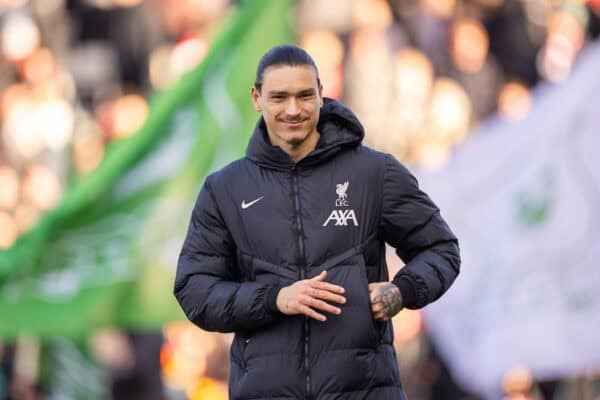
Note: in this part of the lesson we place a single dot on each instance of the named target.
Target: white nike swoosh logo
(246, 205)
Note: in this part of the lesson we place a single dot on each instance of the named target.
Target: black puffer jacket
(262, 222)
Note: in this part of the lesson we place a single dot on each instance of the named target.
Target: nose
(291, 108)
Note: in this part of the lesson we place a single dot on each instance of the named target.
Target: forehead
(289, 78)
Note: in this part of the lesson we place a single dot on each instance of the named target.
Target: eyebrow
(284, 93)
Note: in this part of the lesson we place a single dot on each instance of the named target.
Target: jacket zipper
(302, 272)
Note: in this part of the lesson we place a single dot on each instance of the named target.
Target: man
(286, 248)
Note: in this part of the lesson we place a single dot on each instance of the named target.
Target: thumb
(320, 277)
(372, 288)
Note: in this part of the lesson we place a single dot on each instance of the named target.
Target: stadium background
(113, 111)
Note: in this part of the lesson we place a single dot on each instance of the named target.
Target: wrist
(407, 290)
(272, 297)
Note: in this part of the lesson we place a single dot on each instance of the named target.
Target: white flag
(524, 201)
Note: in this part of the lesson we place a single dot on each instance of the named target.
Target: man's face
(290, 100)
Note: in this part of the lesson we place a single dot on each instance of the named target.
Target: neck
(301, 150)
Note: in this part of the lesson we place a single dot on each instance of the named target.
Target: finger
(376, 307)
(379, 316)
(374, 296)
(382, 316)
(312, 313)
(320, 277)
(330, 287)
(323, 306)
(328, 296)
(320, 305)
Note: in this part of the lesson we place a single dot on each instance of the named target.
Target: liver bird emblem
(340, 190)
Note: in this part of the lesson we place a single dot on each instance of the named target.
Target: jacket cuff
(271, 299)
(407, 290)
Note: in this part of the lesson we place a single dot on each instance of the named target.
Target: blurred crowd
(76, 76)
(421, 73)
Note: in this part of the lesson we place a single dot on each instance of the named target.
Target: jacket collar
(339, 129)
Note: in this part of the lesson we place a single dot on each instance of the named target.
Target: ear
(320, 94)
(256, 99)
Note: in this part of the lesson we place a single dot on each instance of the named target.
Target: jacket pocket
(354, 327)
(376, 325)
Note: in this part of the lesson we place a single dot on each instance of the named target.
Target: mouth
(293, 124)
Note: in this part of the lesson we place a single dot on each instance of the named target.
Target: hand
(386, 300)
(308, 295)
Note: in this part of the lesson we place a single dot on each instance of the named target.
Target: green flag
(106, 255)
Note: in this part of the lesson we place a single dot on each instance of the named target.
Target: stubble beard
(297, 142)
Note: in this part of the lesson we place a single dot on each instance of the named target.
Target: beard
(295, 142)
(298, 140)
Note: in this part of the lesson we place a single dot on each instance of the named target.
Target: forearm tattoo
(390, 298)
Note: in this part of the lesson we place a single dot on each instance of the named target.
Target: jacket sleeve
(207, 282)
(412, 224)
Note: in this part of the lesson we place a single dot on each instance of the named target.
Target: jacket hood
(338, 126)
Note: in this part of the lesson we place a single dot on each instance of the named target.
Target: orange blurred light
(88, 151)
(469, 45)
(450, 111)
(517, 380)
(441, 8)
(112, 348)
(568, 25)
(203, 10)
(26, 216)
(56, 122)
(413, 76)
(514, 101)
(35, 120)
(538, 12)
(189, 346)
(9, 184)
(41, 187)
(324, 46)
(39, 66)
(208, 388)
(187, 54)
(4, 4)
(371, 14)
(564, 40)
(127, 3)
(13, 94)
(47, 7)
(328, 52)
(8, 230)
(367, 45)
(21, 127)
(129, 114)
(407, 325)
(65, 82)
(20, 37)
(430, 153)
(557, 57)
(104, 115)
(159, 67)
(335, 15)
